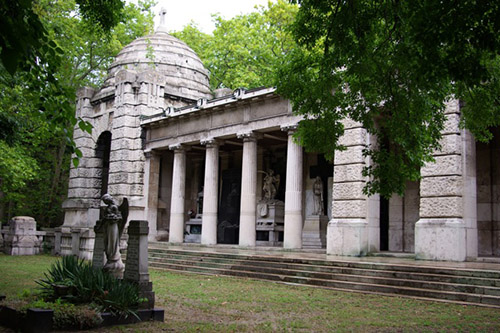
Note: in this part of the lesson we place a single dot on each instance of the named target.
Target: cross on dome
(163, 24)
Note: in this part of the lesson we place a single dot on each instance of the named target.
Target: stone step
(318, 269)
(464, 285)
(341, 285)
(360, 277)
(462, 272)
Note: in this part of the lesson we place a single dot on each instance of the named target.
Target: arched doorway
(102, 152)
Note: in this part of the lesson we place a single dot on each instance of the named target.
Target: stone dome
(164, 54)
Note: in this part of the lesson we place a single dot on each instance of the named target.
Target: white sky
(181, 12)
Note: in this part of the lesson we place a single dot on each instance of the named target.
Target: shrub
(77, 282)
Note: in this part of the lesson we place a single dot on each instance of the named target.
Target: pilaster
(447, 229)
(353, 230)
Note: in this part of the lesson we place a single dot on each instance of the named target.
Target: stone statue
(318, 196)
(114, 220)
(271, 184)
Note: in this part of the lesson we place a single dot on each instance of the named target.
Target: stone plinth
(136, 265)
(270, 222)
(22, 237)
(314, 232)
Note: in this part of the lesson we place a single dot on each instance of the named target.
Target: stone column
(177, 212)
(293, 192)
(447, 226)
(354, 228)
(210, 191)
(152, 182)
(248, 208)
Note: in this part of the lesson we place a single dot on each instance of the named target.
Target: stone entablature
(257, 110)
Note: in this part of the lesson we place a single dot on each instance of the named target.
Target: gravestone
(98, 253)
(136, 265)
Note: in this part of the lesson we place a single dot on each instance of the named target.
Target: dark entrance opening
(228, 223)
(102, 152)
(384, 224)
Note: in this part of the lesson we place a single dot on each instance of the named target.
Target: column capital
(179, 147)
(290, 128)
(211, 142)
(249, 136)
(151, 153)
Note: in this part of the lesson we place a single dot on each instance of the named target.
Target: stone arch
(102, 152)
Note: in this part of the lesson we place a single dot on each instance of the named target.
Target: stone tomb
(270, 223)
(22, 237)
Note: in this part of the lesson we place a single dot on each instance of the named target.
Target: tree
(392, 65)
(244, 51)
(37, 99)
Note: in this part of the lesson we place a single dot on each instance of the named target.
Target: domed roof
(184, 72)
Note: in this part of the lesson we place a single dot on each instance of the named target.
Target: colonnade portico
(293, 215)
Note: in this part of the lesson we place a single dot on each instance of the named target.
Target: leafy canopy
(392, 65)
(244, 51)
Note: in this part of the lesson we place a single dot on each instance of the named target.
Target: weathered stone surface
(347, 173)
(452, 106)
(351, 190)
(347, 237)
(440, 239)
(441, 207)
(127, 132)
(83, 193)
(126, 178)
(128, 144)
(441, 186)
(116, 156)
(450, 144)
(452, 124)
(349, 123)
(126, 189)
(444, 166)
(354, 136)
(349, 209)
(128, 166)
(353, 154)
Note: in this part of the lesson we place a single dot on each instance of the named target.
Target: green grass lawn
(216, 303)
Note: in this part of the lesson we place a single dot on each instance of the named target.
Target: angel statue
(271, 184)
(114, 221)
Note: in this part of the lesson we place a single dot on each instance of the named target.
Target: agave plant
(85, 284)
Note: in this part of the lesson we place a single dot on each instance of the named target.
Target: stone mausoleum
(222, 168)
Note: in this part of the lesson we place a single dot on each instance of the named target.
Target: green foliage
(76, 281)
(61, 46)
(245, 50)
(392, 66)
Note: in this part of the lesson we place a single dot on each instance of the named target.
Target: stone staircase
(458, 285)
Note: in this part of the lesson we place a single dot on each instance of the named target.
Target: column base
(440, 239)
(347, 237)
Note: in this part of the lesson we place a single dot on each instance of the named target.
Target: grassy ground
(212, 303)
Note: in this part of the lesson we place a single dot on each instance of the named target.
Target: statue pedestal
(193, 230)
(270, 223)
(314, 232)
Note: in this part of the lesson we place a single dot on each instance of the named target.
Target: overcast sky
(181, 12)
